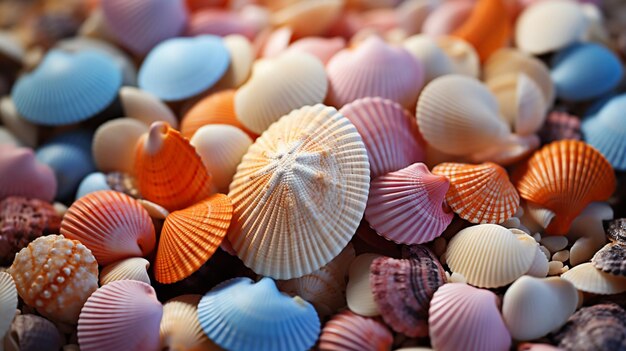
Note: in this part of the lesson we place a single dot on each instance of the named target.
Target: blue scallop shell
(242, 315)
(67, 88)
(92, 182)
(606, 131)
(585, 71)
(180, 68)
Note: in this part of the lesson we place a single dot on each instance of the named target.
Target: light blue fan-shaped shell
(67, 88)
(585, 71)
(180, 68)
(92, 182)
(242, 315)
(606, 131)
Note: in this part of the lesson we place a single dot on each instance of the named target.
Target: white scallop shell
(8, 302)
(113, 144)
(135, 268)
(145, 107)
(587, 278)
(359, 292)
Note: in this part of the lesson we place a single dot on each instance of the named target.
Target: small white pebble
(554, 243)
(562, 256)
(554, 267)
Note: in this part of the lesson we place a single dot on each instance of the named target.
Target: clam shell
(359, 293)
(292, 186)
(190, 237)
(560, 126)
(606, 132)
(241, 60)
(219, 22)
(91, 183)
(111, 224)
(23, 175)
(588, 278)
(489, 255)
(180, 328)
(598, 327)
(403, 288)
(114, 143)
(27, 132)
(308, 18)
(611, 259)
(56, 276)
(242, 315)
(557, 177)
(480, 193)
(616, 230)
(347, 331)
(32, 333)
(390, 134)
(533, 307)
(8, 302)
(407, 206)
(168, 170)
(398, 76)
(143, 106)
(122, 315)
(134, 268)
(277, 86)
(463, 317)
(322, 48)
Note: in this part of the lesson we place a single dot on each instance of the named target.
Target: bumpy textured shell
(347, 331)
(180, 328)
(565, 177)
(616, 230)
(598, 327)
(480, 193)
(560, 126)
(56, 276)
(299, 193)
(22, 175)
(8, 302)
(134, 268)
(586, 277)
(611, 259)
(403, 289)
(30, 332)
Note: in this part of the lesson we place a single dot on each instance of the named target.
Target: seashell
(347, 331)
(143, 106)
(23, 175)
(308, 18)
(322, 173)
(190, 237)
(155, 211)
(540, 266)
(219, 22)
(560, 126)
(487, 28)
(124, 183)
(585, 71)
(7, 137)
(615, 230)
(447, 17)
(359, 293)
(92, 182)
(180, 68)
(509, 151)
(273, 42)
(597, 327)
(67, 88)
(587, 278)
(403, 288)
(25, 131)
(322, 48)
(234, 315)
(114, 143)
(122, 315)
(56, 276)
(134, 268)
(611, 259)
(479, 193)
(408, 206)
(112, 225)
(141, 25)
(537, 33)
(491, 256)
(588, 232)
(606, 132)
(180, 328)
(277, 86)
(168, 170)
(390, 134)
(8, 302)
(30, 332)
(241, 60)
(464, 317)
(412, 14)
(426, 50)
(533, 307)
(464, 57)
(466, 123)
(556, 178)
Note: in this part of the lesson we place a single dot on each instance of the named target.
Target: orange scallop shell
(168, 170)
(190, 237)
(564, 177)
(479, 193)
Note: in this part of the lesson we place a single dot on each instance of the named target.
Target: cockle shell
(114, 143)
(111, 224)
(606, 132)
(616, 230)
(322, 48)
(558, 178)
(190, 237)
(308, 18)
(587, 278)
(292, 186)
(398, 75)
(271, 43)
(464, 317)
(489, 255)
(122, 315)
(560, 126)
(56, 276)
(180, 328)
(30, 332)
(540, 266)
(23, 175)
(277, 86)
(242, 315)
(412, 14)
(611, 259)
(143, 106)
(479, 193)
(134, 268)
(347, 331)
(598, 327)
(8, 302)
(359, 293)
(408, 206)
(168, 170)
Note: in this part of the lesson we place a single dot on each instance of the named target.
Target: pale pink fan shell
(350, 332)
(322, 48)
(271, 43)
(447, 17)
(22, 175)
(220, 22)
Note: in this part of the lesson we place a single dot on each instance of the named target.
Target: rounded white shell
(8, 302)
(587, 278)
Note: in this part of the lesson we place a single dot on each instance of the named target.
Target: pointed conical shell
(111, 224)
(390, 134)
(564, 177)
(114, 142)
(408, 206)
(277, 86)
(8, 302)
(588, 278)
(30, 332)
(122, 315)
(347, 331)
(308, 18)
(308, 174)
(611, 259)
(168, 170)
(480, 193)
(465, 318)
(135, 268)
(23, 175)
(359, 289)
(180, 328)
(489, 255)
(190, 237)
(143, 106)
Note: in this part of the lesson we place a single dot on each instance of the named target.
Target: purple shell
(560, 126)
(599, 327)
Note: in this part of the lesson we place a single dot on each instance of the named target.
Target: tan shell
(8, 302)
(308, 18)
(359, 291)
(588, 232)
(113, 144)
(155, 211)
(588, 278)
(24, 130)
(135, 268)
(180, 328)
(464, 57)
(145, 107)
(241, 60)
(611, 259)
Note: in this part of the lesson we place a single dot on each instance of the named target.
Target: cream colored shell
(135, 268)
(588, 278)
(113, 145)
(540, 266)
(241, 60)
(308, 18)
(180, 328)
(464, 58)
(8, 303)
(145, 107)
(435, 60)
(359, 292)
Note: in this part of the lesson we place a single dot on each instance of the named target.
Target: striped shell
(180, 328)
(611, 259)
(587, 278)
(134, 268)
(347, 331)
(8, 302)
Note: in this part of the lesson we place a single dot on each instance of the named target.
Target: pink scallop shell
(466, 318)
(22, 175)
(122, 315)
(322, 48)
(220, 22)
(374, 68)
(348, 331)
(447, 17)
